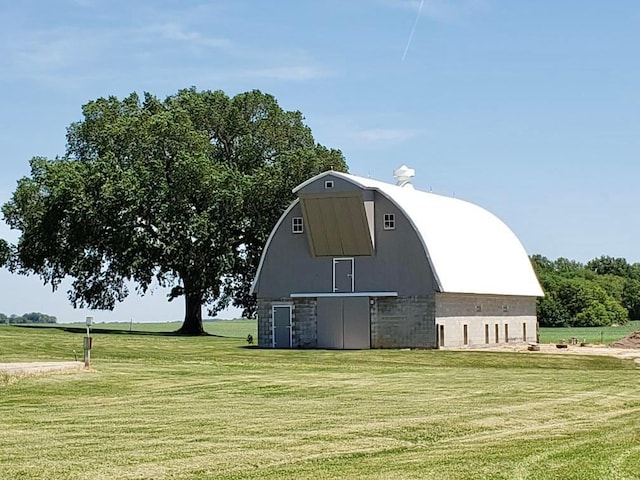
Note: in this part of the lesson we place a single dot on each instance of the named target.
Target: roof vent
(404, 175)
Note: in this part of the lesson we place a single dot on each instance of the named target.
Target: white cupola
(404, 175)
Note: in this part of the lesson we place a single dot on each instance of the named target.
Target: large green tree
(596, 294)
(609, 265)
(182, 191)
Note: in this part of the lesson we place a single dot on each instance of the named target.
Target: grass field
(164, 407)
(604, 335)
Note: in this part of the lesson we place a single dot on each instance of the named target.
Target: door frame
(335, 262)
(273, 323)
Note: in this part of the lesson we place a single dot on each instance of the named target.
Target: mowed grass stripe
(166, 407)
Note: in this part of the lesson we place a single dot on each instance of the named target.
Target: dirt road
(25, 368)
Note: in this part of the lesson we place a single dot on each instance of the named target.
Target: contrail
(413, 30)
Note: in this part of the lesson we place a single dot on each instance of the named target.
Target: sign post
(87, 343)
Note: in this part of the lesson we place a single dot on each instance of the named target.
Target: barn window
(389, 221)
(328, 184)
(297, 225)
(506, 333)
(486, 334)
(478, 308)
(465, 334)
(497, 334)
(505, 308)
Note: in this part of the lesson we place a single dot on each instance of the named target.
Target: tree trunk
(192, 324)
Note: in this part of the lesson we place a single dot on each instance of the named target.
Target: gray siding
(339, 185)
(399, 263)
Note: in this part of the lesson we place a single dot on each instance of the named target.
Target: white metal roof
(470, 249)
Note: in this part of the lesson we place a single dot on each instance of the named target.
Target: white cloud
(60, 57)
(175, 32)
(286, 73)
(377, 136)
(40, 53)
(49, 55)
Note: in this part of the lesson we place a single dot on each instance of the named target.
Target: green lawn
(604, 335)
(166, 407)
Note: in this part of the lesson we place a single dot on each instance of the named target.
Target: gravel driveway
(24, 368)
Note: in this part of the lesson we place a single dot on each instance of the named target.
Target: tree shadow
(117, 331)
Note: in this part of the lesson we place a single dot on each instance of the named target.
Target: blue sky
(529, 109)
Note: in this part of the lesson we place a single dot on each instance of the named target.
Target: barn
(356, 263)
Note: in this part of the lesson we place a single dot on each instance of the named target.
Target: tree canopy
(183, 192)
(605, 291)
(32, 317)
(5, 252)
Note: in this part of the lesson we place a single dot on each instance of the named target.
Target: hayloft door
(343, 275)
(281, 324)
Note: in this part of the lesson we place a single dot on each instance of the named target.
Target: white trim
(266, 245)
(338, 294)
(328, 184)
(343, 259)
(273, 323)
(313, 179)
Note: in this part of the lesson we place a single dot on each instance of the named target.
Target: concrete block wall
(489, 319)
(403, 322)
(303, 321)
(264, 311)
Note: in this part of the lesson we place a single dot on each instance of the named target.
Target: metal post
(87, 343)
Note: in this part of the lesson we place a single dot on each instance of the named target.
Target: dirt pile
(630, 341)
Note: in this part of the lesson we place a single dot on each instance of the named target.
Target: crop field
(154, 406)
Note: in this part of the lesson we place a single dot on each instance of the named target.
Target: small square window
(505, 308)
(297, 225)
(478, 308)
(328, 184)
(389, 221)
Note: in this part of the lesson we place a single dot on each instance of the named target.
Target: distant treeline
(604, 291)
(33, 317)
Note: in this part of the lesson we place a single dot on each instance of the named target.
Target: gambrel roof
(470, 249)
